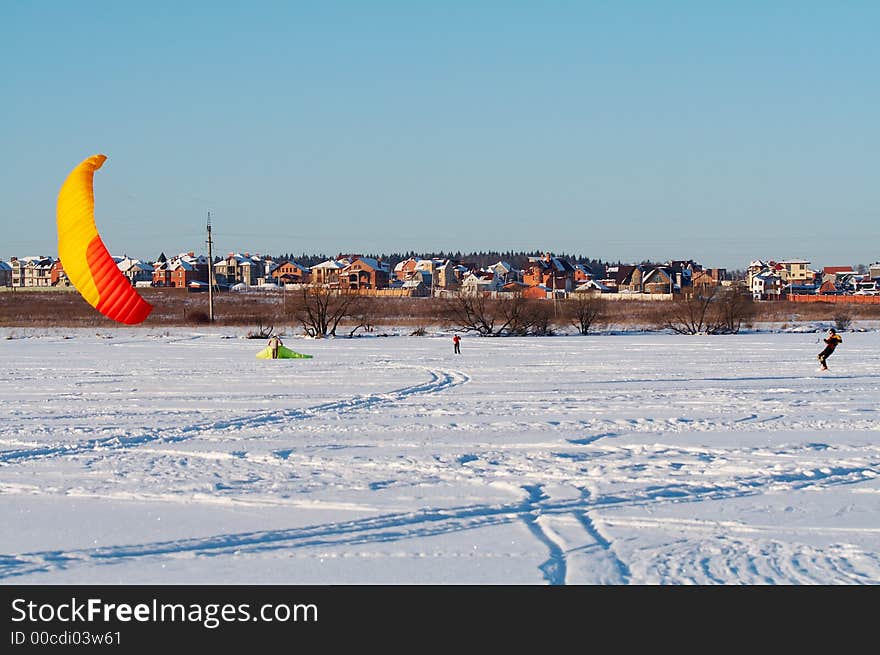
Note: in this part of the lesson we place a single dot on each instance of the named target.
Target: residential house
(237, 268)
(418, 284)
(476, 282)
(5, 274)
(833, 274)
(684, 265)
(682, 273)
(766, 285)
(834, 279)
(797, 272)
(552, 272)
(583, 273)
(414, 271)
(795, 277)
(446, 276)
(134, 269)
(758, 267)
(403, 269)
(179, 271)
(364, 273)
(594, 287)
(290, 272)
(614, 276)
(708, 277)
(161, 275)
(539, 292)
(874, 271)
(432, 267)
(31, 271)
(16, 267)
(653, 279)
(520, 288)
(506, 272)
(462, 269)
(188, 269)
(267, 266)
(327, 273)
(849, 282)
(57, 275)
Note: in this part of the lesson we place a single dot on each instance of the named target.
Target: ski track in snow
(587, 480)
(538, 511)
(440, 381)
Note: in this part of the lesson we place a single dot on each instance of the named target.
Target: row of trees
(707, 310)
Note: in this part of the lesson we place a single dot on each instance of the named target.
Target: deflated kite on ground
(283, 353)
(83, 255)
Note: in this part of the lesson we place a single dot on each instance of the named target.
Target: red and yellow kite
(83, 255)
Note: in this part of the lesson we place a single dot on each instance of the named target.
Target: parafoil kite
(84, 256)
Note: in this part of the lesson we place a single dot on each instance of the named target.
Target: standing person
(456, 340)
(830, 344)
(275, 343)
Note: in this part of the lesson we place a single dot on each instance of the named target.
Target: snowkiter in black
(830, 344)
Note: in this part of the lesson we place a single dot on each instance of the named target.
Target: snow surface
(175, 456)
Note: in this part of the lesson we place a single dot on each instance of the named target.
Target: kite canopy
(83, 255)
(283, 353)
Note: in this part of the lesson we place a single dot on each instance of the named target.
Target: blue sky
(715, 131)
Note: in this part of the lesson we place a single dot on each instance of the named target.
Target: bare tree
(320, 310)
(584, 311)
(516, 315)
(508, 315)
(708, 309)
(735, 306)
(689, 314)
(363, 315)
(541, 318)
(471, 313)
(262, 331)
(842, 319)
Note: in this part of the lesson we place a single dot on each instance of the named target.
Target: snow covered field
(147, 456)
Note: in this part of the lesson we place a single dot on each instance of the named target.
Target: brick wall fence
(852, 300)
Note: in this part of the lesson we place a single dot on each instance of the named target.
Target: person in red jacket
(830, 344)
(456, 340)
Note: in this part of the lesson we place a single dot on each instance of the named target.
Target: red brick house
(404, 270)
(708, 277)
(180, 270)
(552, 272)
(289, 272)
(57, 275)
(364, 273)
(539, 292)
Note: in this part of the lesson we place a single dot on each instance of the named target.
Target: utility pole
(210, 273)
